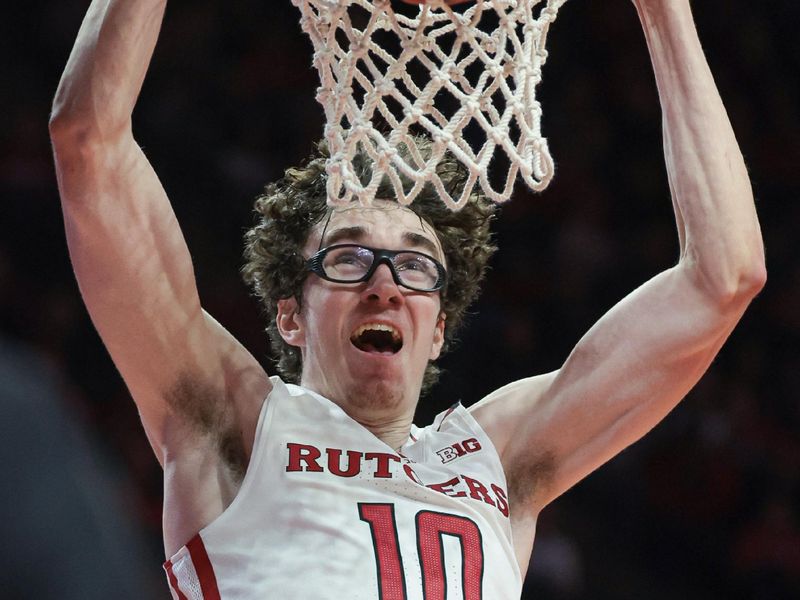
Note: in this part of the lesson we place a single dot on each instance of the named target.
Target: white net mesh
(464, 79)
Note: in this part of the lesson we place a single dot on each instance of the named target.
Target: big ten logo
(458, 450)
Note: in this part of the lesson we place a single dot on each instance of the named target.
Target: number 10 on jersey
(431, 527)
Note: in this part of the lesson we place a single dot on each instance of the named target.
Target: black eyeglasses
(351, 263)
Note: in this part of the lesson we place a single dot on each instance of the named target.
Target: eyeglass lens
(351, 263)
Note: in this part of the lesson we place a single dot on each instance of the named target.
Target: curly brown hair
(288, 210)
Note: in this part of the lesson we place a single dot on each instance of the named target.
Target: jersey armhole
(277, 392)
(486, 442)
(264, 420)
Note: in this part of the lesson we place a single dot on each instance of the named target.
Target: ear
(438, 337)
(290, 323)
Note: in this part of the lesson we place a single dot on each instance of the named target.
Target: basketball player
(325, 489)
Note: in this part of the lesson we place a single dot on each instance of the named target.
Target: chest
(328, 511)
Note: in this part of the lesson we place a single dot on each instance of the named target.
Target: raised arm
(643, 357)
(192, 382)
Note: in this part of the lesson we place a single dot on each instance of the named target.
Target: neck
(386, 415)
(392, 432)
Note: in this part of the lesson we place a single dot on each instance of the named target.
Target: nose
(382, 289)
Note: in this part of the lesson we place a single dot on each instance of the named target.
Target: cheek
(430, 320)
(323, 309)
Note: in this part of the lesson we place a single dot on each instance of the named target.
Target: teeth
(377, 327)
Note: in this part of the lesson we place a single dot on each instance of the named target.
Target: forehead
(384, 224)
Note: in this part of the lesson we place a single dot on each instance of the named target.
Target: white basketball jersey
(328, 511)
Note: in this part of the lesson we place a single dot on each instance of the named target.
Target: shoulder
(497, 412)
(503, 416)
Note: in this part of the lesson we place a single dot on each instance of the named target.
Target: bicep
(621, 379)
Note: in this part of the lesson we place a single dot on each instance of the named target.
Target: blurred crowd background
(706, 506)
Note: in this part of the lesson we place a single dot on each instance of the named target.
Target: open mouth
(377, 338)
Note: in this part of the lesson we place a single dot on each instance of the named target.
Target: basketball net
(476, 97)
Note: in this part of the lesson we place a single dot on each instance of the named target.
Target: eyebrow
(420, 241)
(357, 233)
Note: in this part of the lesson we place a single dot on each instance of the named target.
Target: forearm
(718, 227)
(106, 68)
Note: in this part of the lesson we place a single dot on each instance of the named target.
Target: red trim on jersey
(203, 568)
(447, 414)
(173, 581)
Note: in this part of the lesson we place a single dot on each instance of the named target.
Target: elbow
(754, 279)
(82, 139)
(67, 135)
(68, 116)
(67, 130)
(738, 287)
(728, 274)
(752, 274)
(63, 119)
(74, 130)
(72, 147)
(57, 126)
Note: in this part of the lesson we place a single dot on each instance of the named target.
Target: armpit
(205, 410)
(530, 479)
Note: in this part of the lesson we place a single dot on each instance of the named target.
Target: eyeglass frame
(380, 256)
